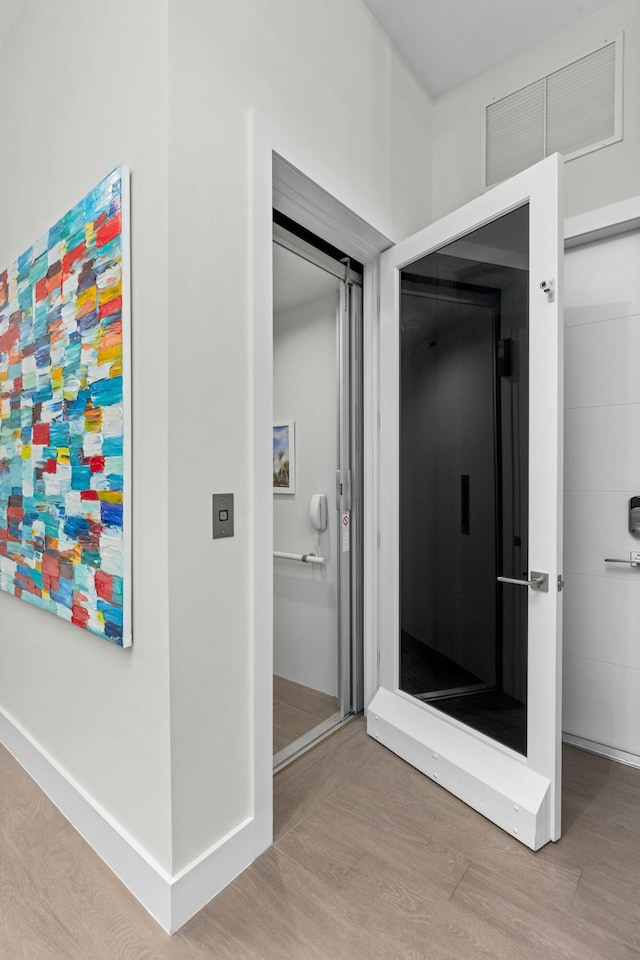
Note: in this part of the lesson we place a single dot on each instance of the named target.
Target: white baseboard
(203, 879)
(601, 749)
(171, 900)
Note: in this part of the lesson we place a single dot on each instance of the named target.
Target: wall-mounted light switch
(222, 515)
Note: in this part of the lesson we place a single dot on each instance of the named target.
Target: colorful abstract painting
(64, 417)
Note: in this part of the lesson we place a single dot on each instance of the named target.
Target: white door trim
(313, 196)
(604, 222)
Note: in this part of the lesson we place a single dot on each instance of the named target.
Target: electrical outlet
(635, 558)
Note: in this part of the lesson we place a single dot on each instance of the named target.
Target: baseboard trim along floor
(171, 900)
(601, 749)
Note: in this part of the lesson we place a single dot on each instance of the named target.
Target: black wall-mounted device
(634, 516)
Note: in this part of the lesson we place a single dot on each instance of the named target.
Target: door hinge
(560, 583)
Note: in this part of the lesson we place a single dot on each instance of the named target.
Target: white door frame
(308, 193)
(518, 793)
(603, 222)
(302, 185)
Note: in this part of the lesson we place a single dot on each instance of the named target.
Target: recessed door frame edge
(280, 169)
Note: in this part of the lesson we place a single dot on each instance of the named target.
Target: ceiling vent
(572, 111)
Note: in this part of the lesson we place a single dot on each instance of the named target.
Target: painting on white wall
(284, 457)
(64, 417)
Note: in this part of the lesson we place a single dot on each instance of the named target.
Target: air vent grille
(573, 110)
(515, 132)
(581, 102)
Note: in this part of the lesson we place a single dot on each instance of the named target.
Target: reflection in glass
(464, 478)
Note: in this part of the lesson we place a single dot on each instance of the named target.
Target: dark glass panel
(463, 478)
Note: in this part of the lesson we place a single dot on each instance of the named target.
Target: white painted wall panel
(160, 735)
(101, 712)
(598, 454)
(305, 389)
(601, 703)
(602, 470)
(598, 282)
(601, 361)
(601, 618)
(596, 527)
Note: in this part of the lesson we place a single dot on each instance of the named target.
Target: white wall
(77, 104)
(160, 735)
(602, 470)
(305, 389)
(594, 180)
(327, 75)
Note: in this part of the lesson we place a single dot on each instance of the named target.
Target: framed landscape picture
(284, 457)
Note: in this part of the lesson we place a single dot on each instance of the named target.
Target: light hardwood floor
(298, 709)
(371, 860)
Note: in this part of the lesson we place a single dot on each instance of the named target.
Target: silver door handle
(538, 581)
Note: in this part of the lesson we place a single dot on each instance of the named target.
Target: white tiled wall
(602, 470)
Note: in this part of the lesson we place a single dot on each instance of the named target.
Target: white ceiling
(448, 42)
(296, 281)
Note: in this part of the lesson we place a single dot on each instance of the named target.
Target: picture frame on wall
(65, 423)
(284, 456)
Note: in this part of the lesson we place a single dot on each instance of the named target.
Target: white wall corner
(210, 873)
(171, 900)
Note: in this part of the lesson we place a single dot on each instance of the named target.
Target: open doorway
(317, 456)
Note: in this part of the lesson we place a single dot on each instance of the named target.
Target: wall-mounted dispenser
(318, 511)
(634, 516)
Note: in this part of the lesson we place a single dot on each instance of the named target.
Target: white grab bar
(302, 557)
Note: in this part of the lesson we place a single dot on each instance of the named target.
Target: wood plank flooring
(371, 860)
(297, 709)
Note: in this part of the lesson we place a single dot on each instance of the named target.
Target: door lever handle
(538, 581)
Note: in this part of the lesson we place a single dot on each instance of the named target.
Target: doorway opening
(317, 483)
